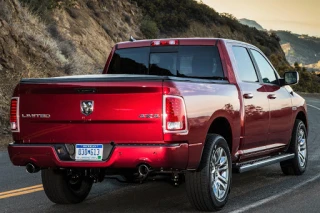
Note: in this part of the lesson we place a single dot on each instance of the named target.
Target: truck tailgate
(53, 112)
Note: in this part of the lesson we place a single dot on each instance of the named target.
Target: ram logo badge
(86, 107)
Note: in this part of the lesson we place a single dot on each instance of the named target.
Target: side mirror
(290, 78)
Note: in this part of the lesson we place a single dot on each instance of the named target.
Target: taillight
(164, 42)
(14, 115)
(175, 116)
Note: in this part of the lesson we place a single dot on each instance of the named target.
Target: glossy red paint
(116, 116)
(226, 62)
(182, 41)
(135, 44)
(124, 156)
(200, 99)
(259, 126)
(106, 67)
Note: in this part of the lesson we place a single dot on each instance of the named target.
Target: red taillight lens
(14, 118)
(164, 42)
(175, 114)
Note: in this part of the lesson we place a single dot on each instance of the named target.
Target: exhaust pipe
(143, 170)
(30, 168)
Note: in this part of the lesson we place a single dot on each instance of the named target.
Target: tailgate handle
(86, 90)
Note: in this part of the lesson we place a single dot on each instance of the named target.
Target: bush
(73, 13)
(54, 32)
(44, 7)
(127, 18)
(309, 82)
(5, 13)
(67, 48)
(91, 5)
(106, 28)
(274, 35)
(149, 29)
(176, 16)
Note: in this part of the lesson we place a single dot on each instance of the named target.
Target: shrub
(176, 16)
(73, 13)
(5, 13)
(44, 7)
(274, 35)
(54, 32)
(149, 29)
(127, 18)
(91, 5)
(106, 28)
(67, 48)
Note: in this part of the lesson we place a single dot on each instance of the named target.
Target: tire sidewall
(57, 189)
(219, 142)
(299, 125)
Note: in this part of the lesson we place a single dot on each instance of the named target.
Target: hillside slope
(251, 23)
(44, 38)
(72, 40)
(304, 49)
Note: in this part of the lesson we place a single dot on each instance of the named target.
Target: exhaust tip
(143, 170)
(30, 168)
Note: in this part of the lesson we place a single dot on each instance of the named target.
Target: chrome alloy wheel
(302, 147)
(219, 170)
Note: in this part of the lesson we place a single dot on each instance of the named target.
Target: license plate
(89, 152)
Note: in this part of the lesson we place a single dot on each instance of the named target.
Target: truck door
(280, 125)
(255, 105)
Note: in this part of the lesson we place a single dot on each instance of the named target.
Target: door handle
(248, 95)
(272, 96)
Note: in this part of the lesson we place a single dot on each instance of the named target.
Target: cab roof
(176, 41)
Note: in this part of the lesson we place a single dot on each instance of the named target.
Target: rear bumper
(165, 156)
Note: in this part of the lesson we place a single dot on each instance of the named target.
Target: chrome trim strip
(195, 144)
(262, 148)
(267, 162)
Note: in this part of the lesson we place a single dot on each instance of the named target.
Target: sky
(297, 16)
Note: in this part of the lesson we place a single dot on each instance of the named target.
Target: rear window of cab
(180, 61)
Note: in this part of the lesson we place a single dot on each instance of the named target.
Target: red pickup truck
(198, 108)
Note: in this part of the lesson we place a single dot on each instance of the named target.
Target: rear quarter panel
(206, 101)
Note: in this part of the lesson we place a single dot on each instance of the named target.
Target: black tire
(198, 183)
(293, 166)
(61, 190)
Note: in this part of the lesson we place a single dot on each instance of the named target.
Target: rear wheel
(62, 188)
(208, 187)
(298, 146)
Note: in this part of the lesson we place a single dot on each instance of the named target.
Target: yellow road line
(21, 191)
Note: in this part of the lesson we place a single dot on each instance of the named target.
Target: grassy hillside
(44, 38)
(188, 18)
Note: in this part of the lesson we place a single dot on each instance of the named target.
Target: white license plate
(89, 152)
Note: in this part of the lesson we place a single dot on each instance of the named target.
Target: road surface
(261, 190)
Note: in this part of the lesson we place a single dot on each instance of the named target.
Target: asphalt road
(261, 190)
